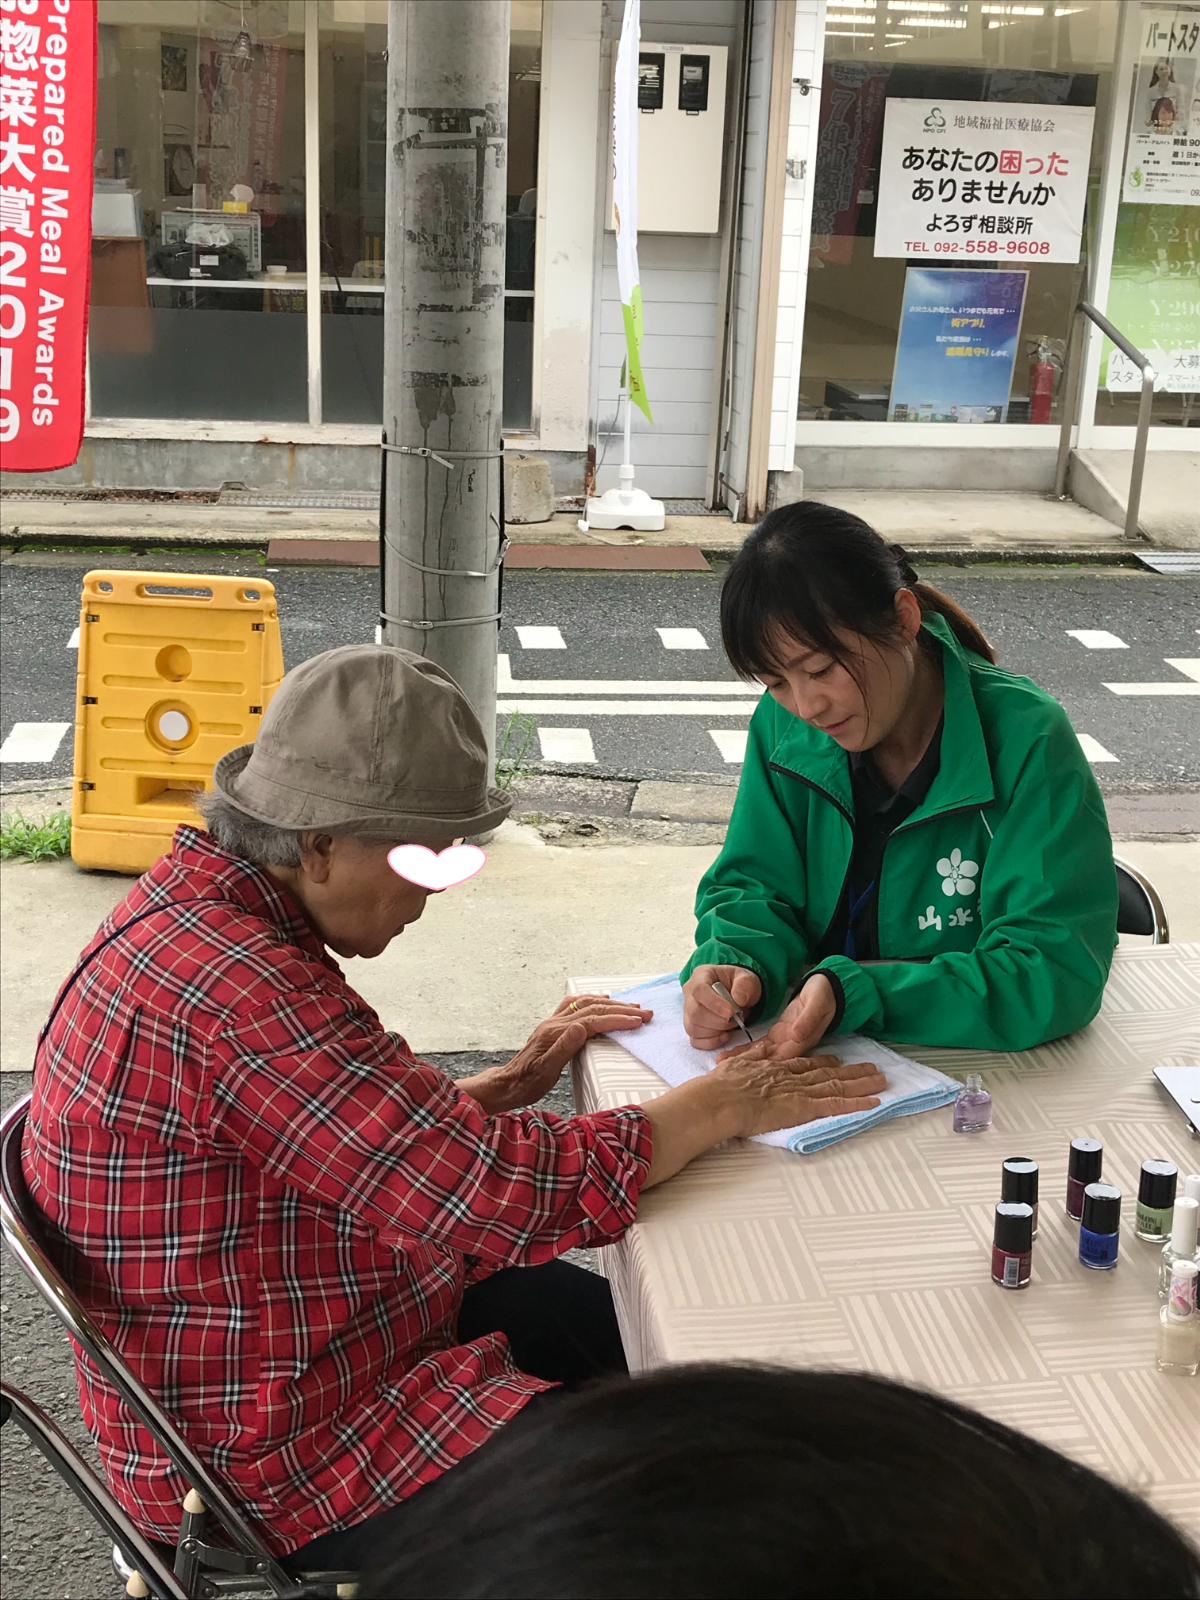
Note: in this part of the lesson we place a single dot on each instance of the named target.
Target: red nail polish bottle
(1084, 1166)
(1012, 1245)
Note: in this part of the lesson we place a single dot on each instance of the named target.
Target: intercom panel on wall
(681, 137)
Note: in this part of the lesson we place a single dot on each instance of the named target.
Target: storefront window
(1154, 294)
(198, 221)
(353, 102)
(199, 285)
(353, 111)
(1035, 55)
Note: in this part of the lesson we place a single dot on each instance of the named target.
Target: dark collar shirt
(878, 812)
(272, 1208)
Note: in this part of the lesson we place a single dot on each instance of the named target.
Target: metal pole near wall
(443, 362)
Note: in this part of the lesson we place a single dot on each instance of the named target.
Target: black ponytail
(809, 569)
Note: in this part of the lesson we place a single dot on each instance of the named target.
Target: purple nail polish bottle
(973, 1108)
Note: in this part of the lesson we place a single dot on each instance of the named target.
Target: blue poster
(957, 345)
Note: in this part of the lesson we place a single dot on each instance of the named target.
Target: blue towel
(664, 1047)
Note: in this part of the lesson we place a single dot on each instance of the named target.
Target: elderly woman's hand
(748, 1093)
(536, 1069)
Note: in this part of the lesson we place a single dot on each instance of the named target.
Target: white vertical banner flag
(625, 207)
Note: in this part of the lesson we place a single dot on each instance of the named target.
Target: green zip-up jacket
(997, 896)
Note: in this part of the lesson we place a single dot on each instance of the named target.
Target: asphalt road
(608, 626)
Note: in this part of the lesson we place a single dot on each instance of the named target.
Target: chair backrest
(1139, 906)
(21, 1224)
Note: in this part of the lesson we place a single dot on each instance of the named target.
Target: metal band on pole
(425, 624)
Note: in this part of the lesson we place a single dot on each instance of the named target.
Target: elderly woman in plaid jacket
(331, 1262)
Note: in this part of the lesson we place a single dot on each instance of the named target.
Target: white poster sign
(1162, 161)
(972, 179)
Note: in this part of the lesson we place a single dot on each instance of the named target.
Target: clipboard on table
(1183, 1086)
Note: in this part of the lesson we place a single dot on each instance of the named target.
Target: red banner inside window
(47, 138)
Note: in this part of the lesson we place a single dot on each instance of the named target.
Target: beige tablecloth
(875, 1254)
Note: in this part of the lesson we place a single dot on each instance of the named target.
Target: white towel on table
(664, 1047)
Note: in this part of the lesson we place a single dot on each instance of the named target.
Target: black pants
(560, 1325)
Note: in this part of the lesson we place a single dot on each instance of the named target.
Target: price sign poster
(47, 138)
(1162, 160)
(958, 343)
(973, 178)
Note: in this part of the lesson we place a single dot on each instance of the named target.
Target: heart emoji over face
(455, 864)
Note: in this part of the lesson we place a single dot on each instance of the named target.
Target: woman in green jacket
(919, 850)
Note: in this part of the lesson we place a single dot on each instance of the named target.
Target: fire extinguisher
(1041, 381)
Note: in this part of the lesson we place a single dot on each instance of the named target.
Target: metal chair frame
(1160, 933)
(58, 1450)
(202, 1570)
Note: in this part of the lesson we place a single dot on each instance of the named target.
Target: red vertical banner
(47, 139)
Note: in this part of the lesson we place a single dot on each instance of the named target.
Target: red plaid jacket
(271, 1208)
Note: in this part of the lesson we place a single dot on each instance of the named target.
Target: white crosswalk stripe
(731, 742)
(33, 741)
(623, 708)
(507, 684)
(1093, 749)
(682, 638)
(541, 639)
(1188, 666)
(1096, 639)
(73, 641)
(567, 744)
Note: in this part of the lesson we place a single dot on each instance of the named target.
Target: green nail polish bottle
(1156, 1201)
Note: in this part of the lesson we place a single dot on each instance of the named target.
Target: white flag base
(625, 507)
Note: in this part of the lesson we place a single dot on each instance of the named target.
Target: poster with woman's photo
(1162, 163)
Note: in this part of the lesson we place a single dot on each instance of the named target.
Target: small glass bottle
(1191, 1186)
(1019, 1184)
(1084, 1166)
(1181, 1246)
(1099, 1231)
(1012, 1245)
(1179, 1326)
(1155, 1201)
(973, 1107)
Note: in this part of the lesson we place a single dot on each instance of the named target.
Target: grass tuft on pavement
(48, 840)
(515, 742)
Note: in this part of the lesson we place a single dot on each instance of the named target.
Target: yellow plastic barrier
(174, 670)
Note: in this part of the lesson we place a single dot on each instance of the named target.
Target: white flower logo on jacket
(958, 876)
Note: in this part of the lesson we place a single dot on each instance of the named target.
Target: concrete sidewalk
(965, 526)
(489, 959)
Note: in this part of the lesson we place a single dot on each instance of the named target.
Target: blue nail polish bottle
(1099, 1231)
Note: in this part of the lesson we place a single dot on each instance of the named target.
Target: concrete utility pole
(443, 359)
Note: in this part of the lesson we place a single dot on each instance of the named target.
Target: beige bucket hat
(367, 740)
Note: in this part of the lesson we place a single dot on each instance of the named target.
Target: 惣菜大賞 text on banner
(974, 179)
(47, 138)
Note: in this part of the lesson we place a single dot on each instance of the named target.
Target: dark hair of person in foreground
(756, 1482)
(808, 570)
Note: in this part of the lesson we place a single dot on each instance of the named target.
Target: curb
(14, 541)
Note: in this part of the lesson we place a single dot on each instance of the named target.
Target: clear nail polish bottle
(1178, 1349)
(973, 1107)
(1181, 1246)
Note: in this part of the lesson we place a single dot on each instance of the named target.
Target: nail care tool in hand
(665, 1048)
(739, 1016)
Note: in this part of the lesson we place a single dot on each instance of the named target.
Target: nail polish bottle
(1099, 1235)
(1181, 1246)
(1156, 1201)
(1019, 1184)
(1012, 1245)
(1179, 1325)
(973, 1107)
(1084, 1166)
(1191, 1186)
